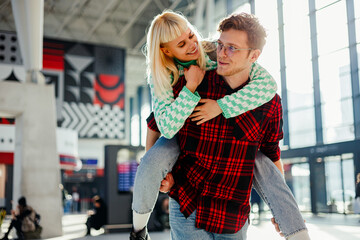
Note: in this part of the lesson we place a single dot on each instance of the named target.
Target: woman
(173, 49)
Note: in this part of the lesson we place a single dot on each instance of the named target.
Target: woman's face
(185, 47)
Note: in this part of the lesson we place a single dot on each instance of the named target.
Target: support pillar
(36, 163)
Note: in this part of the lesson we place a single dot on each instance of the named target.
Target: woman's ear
(166, 51)
(254, 55)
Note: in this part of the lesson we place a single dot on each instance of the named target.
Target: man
(98, 217)
(213, 175)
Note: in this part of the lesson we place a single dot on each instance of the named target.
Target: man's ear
(254, 55)
(166, 51)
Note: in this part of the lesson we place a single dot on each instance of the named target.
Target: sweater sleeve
(170, 114)
(261, 89)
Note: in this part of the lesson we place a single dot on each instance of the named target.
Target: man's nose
(221, 52)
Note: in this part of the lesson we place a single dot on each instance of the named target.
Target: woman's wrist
(192, 87)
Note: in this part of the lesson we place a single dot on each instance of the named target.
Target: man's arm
(270, 143)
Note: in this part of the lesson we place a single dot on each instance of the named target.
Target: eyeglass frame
(227, 48)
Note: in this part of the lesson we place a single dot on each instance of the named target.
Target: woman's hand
(167, 183)
(194, 76)
(205, 112)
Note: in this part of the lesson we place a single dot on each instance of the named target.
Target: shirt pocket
(247, 127)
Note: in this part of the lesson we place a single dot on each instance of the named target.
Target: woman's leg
(154, 166)
(270, 185)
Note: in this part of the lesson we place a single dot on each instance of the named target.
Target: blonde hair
(166, 27)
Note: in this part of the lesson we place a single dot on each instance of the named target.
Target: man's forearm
(151, 138)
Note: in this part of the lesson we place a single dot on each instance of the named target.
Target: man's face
(233, 53)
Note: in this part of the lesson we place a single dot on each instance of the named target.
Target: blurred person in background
(98, 217)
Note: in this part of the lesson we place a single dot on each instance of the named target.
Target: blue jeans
(268, 182)
(184, 228)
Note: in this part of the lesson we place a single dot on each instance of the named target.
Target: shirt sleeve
(170, 114)
(261, 89)
(274, 133)
(151, 123)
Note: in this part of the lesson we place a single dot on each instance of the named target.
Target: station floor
(322, 226)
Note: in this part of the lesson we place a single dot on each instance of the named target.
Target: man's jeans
(184, 228)
(267, 181)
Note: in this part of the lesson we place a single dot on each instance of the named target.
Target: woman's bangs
(172, 31)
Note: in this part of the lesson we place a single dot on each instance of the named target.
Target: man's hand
(205, 112)
(167, 183)
(194, 76)
(276, 227)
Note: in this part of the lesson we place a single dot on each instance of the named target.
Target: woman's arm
(261, 89)
(170, 114)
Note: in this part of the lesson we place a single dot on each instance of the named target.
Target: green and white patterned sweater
(170, 114)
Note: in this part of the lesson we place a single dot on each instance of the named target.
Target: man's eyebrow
(229, 44)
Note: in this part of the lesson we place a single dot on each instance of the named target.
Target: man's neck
(238, 79)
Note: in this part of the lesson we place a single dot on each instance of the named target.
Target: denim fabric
(154, 166)
(184, 228)
(270, 185)
(268, 182)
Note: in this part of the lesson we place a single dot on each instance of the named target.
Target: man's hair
(22, 201)
(248, 23)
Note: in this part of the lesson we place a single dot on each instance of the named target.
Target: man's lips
(222, 63)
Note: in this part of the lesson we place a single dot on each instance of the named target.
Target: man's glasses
(229, 50)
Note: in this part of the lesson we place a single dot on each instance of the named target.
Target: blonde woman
(174, 49)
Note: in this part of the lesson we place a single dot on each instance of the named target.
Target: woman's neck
(185, 64)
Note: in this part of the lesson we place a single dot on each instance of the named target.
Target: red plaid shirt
(213, 174)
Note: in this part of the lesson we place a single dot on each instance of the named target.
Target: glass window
(357, 29)
(357, 10)
(335, 88)
(301, 120)
(301, 185)
(302, 139)
(335, 78)
(358, 50)
(297, 177)
(299, 77)
(333, 182)
(349, 183)
(245, 7)
(145, 112)
(338, 121)
(266, 11)
(135, 141)
(323, 3)
(332, 28)
(339, 171)
(302, 128)
(299, 97)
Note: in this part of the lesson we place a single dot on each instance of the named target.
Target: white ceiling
(119, 23)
